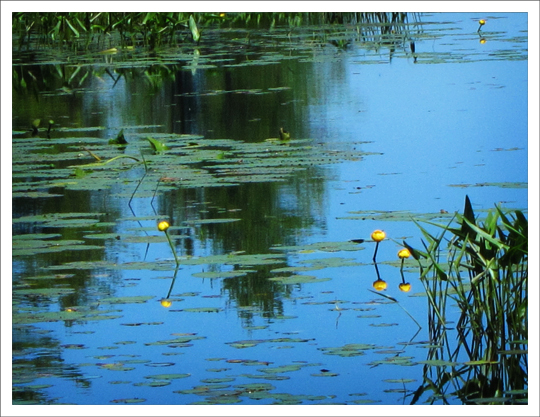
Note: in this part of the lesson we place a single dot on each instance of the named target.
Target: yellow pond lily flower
(378, 235)
(404, 253)
(405, 287)
(163, 225)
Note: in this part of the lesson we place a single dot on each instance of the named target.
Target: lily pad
(298, 279)
(201, 310)
(222, 274)
(438, 362)
(320, 247)
(152, 384)
(167, 376)
(349, 350)
(128, 401)
(139, 299)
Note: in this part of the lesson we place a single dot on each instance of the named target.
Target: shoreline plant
(483, 268)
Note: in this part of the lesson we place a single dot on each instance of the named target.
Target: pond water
(265, 299)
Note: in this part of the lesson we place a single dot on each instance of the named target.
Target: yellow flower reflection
(166, 303)
(380, 285)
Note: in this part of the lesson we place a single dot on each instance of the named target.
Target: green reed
(152, 29)
(483, 268)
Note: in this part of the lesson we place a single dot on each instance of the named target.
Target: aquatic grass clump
(485, 274)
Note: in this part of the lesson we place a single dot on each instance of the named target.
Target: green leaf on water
(210, 221)
(128, 400)
(394, 360)
(119, 140)
(296, 269)
(480, 362)
(280, 369)
(127, 300)
(152, 384)
(202, 310)
(399, 381)
(320, 247)
(194, 30)
(348, 350)
(177, 341)
(157, 146)
(167, 376)
(266, 377)
(438, 362)
(217, 380)
(298, 279)
(222, 274)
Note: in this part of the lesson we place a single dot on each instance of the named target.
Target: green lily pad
(320, 247)
(117, 367)
(280, 369)
(349, 350)
(336, 262)
(127, 300)
(256, 387)
(201, 310)
(222, 274)
(45, 292)
(298, 279)
(217, 380)
(152, 384)
(296, 269)
(167, 376)
(210, 221)
(400, 381)
(395, 360)
(266, 377)
(438, 362)
(128, 401)
(177, 341)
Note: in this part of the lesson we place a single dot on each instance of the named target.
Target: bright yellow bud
(404, 253)
(405, 287)
(166, 303)
(380, 285)
(378, 235)
(483, 41)
(482, 22)
(163, 225)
